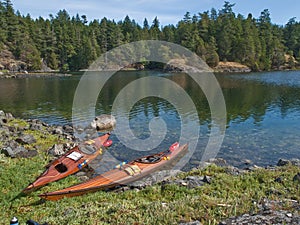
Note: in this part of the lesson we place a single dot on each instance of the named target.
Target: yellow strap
(89, 142)
(132, 170)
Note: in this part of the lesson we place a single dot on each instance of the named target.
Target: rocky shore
(27, 139)
(21, 75)
(16, 134)
(231, 67)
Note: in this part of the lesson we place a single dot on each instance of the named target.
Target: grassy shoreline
(228, 194)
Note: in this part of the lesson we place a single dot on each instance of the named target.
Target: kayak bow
(71, 162)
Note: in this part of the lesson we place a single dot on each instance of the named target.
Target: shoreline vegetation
(223, 67)
(213, 193)
(221, 38)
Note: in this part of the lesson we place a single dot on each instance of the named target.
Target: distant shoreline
(222, 68)
(33, 74)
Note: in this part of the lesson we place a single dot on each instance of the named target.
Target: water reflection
(263, 113)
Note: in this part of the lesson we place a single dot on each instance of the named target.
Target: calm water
(263, 111)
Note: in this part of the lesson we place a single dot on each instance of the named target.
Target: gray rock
(194, 181)
(295, 162)
(278, 180)
(247, 161)
(26, 139)
(68, 129)
(57, 150)
(9, 116)
(189, 182)
(80, 174)
(207, 179)
(4, 133)
(155, 178)
(218, 161)
(58, 130)
(13, 149)
(284, 162)
(104, 122)
(272, 217)
(27, 154)
(195, 162)
(191, 223)
(296, 178)
(8, 151)
(35, 126)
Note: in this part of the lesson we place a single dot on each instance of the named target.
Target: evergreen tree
(225, 32)
(211, 56)
(168, 33)
(145, 31)
(292, 36)
(72, 43)
(266, 39)
(3, 26)
(154, 30)
(12, 28)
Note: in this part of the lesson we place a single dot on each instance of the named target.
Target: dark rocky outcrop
(265, 217)
(14, 149)
(14, 139)
(284, 162)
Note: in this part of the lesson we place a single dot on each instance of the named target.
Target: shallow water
(263, 112)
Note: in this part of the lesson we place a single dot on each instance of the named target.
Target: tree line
(72, 43)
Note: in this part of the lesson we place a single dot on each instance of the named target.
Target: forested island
(71, 43)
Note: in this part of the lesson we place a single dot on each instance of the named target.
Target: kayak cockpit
(61, 168)
(150, 159)
(88, 149)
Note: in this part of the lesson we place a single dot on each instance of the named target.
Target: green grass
(226, 196)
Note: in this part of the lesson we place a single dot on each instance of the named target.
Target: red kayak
(71, 162)
(123, 173)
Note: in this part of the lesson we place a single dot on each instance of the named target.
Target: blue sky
(167, 11)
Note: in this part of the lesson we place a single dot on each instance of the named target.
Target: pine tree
(211, 56)
(154, 30)
(225, 32)
(72, 43)
(3, 26)
(264, 24)
(292, 36)
(12, 28)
